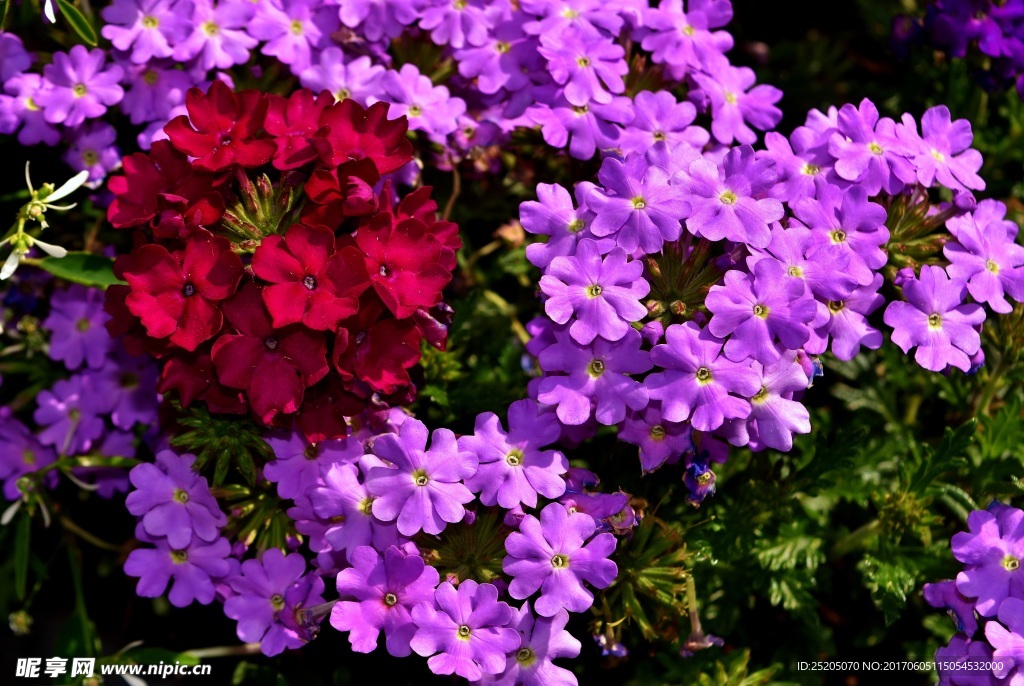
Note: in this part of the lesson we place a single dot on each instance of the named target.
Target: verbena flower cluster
(988, 591)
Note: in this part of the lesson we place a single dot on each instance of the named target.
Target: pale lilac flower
(78, 87)
(504, 60)
(554, 215)
(542, 639)
(293, 28)
(589, 67)
(153, 92)
(684, 39)
(191, 570)
(218, 39)
(660, 117)
(76, 326)
(987, 212)
(345, 503)
(584, 129)
(149, 28)
(357, 79)
(19, 109)
(991, 261)
(867, 151)
(377, 19)
(736, 104)
(587, 16)
(457, 24)
(944, 153)
(799, 160)
(431, 109)
(848, 324)
(822, 268)
(93, 149)
(774, 415)
(991, 551)
(1007, 639)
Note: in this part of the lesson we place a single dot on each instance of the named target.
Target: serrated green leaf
(82, 268)
(82, 26)
(889, 584)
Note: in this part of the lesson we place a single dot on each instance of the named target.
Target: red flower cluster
(273, 271)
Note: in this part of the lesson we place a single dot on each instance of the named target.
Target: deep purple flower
(153, 92)
(293, 28)
(991, 261)
(127, 385)
(684, 39)
(192, 568)
(377, 19)
(270, 594)
(945, 595)
(774, 415)
(149, 28)
(660, 117)
(698, 379)
(756, 310)
(21, 453)
(218, 39)
(867, 151)
(69, 414)
(343, 500)
(799, 160)
(513, 466)
(19, 109)
(468, 633)
(542, 640)
(736, 104)
(848, 321)
(76, 326)
(556, 555)
(660, 441)
(93, 149)
(457, 24)
(14, 59)
(590, 67)
(637, 205)
(595, 375)
(589, 127)
(935, 318)
(174, 501)
(822, 268)
(1007, 639)
(699, 479)
(431, 109)
(298, 463)
(992, 551)
(952, 662)
(727, 201)
(379, 593)
(944, 153)
(357, 79)
(424, 489)
(78, 86)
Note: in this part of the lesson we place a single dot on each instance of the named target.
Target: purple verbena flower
(127, 385)
(192, 569)
(298, 463)
(541, 640)
(377, 19)
(293, 28)
(78, 87)
(774, 415)
(153, 92)
(93, 149)
(554, 215)
(344, 501)
(457, 24)
(19, 109)
(21, 453)
(583, 128)
(1007, 639)
(431, 109)
(149, 28)
(76, 326)
(660, 441)
(867, 151)
(218, 39)
(68, 412)
(848, 321)
(504, 60)
(991, 551)
(587, 16)
(945, 595)
(357, 79)
(590, 67)
(14, 59)
(683, 38)
(991, 261)
(944, 153)
(660, 117)
(799, 160)
(736, 104)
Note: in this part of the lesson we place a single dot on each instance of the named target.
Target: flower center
(938, 156)
(502, 47)
(74, 414)
(83, 324)
(366, 506)
(638, 203)
(595, 368)
(934, 321)
(210, 28)
(575, 226)
(525, 657)
(560, 561)
(28, 458)
(337, 519)
(464, 632)
(296, 27)
(415, 110)
(277, 601)
(727, 198)
(270, 343)
(459, 4)
(420, 478)
(875, 148)
(703, 376)
(796, 271)
(179, 557)
(90, 158)
(79, 90)
(761, 311)
(583, 61)
(129, 380)
(580, 109)
(150, 22)
(688, 30)
(992, 266)
(390, 599)
(189, 290)
(31, 105)
(704, 478)
(761, 396)
(570, 13)
(838, 236)
(181, 495)
(593, 291)
(1011, 563)
(514, 457)
(659, 135)
(384, 271)
(309, 282)
(730, 97)
(657, 432)
(836, 306)
(809, 169)
(342, 93)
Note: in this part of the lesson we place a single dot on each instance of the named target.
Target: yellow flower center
(809, 169)
(657, 432)
(575, 226)
(1011, 563)
(181, 496)
(727, 198)
(560, 561)
(583, 61)
(638, 203)
(390, 599)
(836, 306)
(837, 236)
(703, 376)
(277, 602)
(514, 457)
(796, 271)
(938, 156)
(595, 368)
(210, 28)
(875, 148)
(730, 97)
(525, 657)
(366, 506)
(296, 27)
(415, 110)
(935, 321)
(90, 157)
(464, 632)
(420, 477)
(31, 105)
(342, 94)
(150, 22)
(761, 311)
(761, 396)
(28, 457)
(151, 77)
(502, 47)
(79, 90)
(992, 266)
(688, 30)
(179, 557)
(593, 291)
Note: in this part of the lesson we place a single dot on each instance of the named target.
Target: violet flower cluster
(988, 595)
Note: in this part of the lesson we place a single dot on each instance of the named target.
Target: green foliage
(84, 268)
(226, 443)
(79, 22)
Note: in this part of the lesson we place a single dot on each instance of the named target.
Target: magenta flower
(218, 39)
(468, 633)
(76, 326)
(174, 501)
(293, 28)
(736, 103)
(756, 310)
(589, 66)
(991, 551)
(556, 555)
(299, 463)
(192, 569)
(542, 640)
(660, 441)
(603, 294)
(149, 28)
(78, 86)
(595, 379)
(991, 261)
(944, 153)
(867, 151)
(698, 379)
(513, 466)
(378, 593)
(423, 489)
(637, 205)
(153, 93)
(728, 201)
(935, 319)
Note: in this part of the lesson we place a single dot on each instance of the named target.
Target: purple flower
(149, 28)
(756, 310)
(774, 415)
(153, 93)
(991, 261)
(554, 215)
(457, 24)
(69, 414)
(270, 594)
(541, 640)
(504, 60)
(174, 501)
(21, 453)
(637, 205)
(799, 161)
(944, 594)
(727, 201)
(293, 28)
(128, 386)
(344, 502)
(76, 326)
(377, 19)
(430, 109)
(78, 87)
(1007, 639)
(587, 16)
(379, 593)
(424, 489)
(991, 551)
(660, 441)
(590, 67)
(357, 79)
(92, 148)
(299, 463)
(935, 319)
(735, 106)
(13, 57)
(595, 375)
(218, 39)
(660, 117)
(867, 151)
(589, 127)
(19, 109)
(848, 321)
(698, 379)
(513, 466)
(684, 39)
(468, 633)
(549, 555)
(944, 154)
(952, 663)
(603, 294)
(699, 479)
(986, 212)
(821, 268)
(192, 568)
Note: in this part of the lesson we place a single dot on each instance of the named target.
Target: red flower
(126, 326)
(313, 284)
(419, 205)
(336, 194)
(220, 129)
(181, 216)
(273, 366)
(191, 375)
(292, 122)
(146, 176)
(353, 133)
(403, 261)
(176, 296)
(376, 352)
(325, 409)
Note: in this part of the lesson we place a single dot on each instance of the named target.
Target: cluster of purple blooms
(553, 65)
(990, 589)
(992, 28)
(798, 236)
(95, 411)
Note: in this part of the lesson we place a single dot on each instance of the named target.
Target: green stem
(994, 382)
(224, 651)
(86, 536)
(856, 539)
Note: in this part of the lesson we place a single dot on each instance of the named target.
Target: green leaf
(82, 26)
(21, 554)
(889, 584)
(3, 11)
(82, 267)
